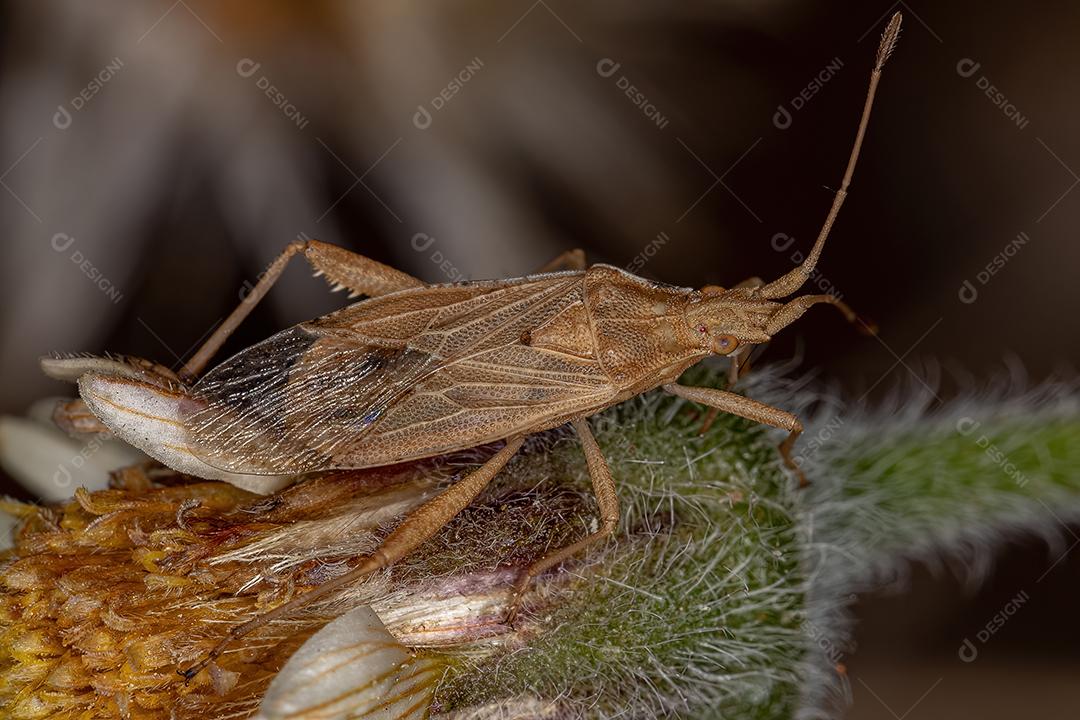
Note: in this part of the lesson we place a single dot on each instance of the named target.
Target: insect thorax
(642, 337)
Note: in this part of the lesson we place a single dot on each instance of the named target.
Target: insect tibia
(888, 40)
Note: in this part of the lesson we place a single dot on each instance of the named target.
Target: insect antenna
(794, 309)
(793, 280)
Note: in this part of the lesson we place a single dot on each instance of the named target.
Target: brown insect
(421, 370)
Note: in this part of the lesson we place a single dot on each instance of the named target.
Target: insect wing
(402, 376)
(287, 404)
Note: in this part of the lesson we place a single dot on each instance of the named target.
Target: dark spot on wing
(253, 375)
(291, 402)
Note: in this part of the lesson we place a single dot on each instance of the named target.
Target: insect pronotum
(420, 370)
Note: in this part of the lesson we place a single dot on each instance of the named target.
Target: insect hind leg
(356, 273)
(342, 268)
(606, 498)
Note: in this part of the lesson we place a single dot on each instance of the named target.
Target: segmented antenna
(794, 279)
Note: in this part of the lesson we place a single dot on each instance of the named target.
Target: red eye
(702, 329)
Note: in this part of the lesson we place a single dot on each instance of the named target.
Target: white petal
(149, 418)
(351, 668)
(41, 411)
(51, 464)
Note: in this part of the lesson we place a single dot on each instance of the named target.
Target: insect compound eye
(726, 344)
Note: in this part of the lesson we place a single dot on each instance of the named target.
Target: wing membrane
(288, 404)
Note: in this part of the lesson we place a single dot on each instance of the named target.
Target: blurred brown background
(155, 156)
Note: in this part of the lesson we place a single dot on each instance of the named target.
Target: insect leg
(356, 273)
(730, 402)
(739, 366)
(417, 527)
(569, 260)
(606, 498)
(361, 275)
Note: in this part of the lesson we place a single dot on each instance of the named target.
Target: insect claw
(517, 594)
(511, 615)
(337, 287)
(353, 294)
(318, 273)
(800, 476)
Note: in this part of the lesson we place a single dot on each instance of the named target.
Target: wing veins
(456, 359)
(554, 376)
